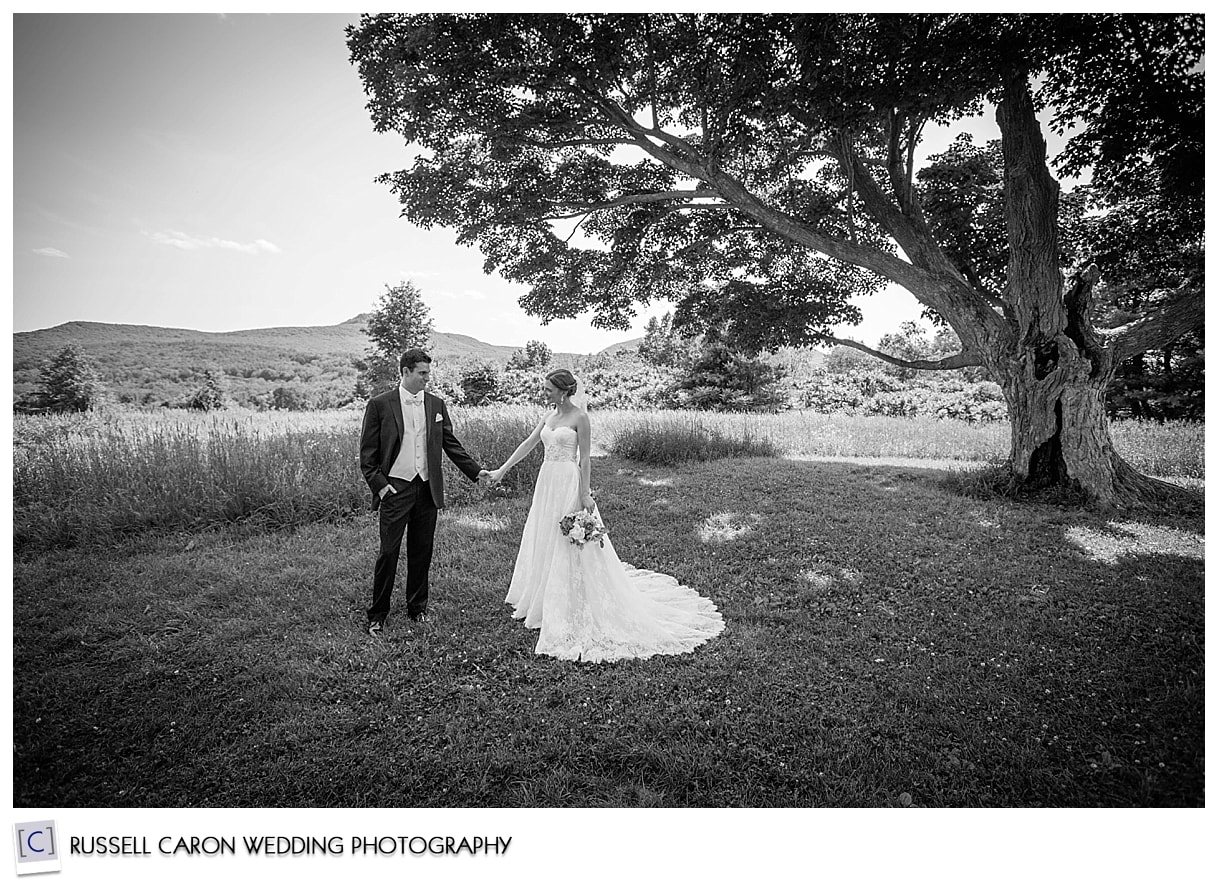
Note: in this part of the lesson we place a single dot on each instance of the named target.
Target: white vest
(412, 456)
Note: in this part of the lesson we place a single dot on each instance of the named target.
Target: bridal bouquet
(582, 527)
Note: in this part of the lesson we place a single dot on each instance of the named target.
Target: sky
(216, 172)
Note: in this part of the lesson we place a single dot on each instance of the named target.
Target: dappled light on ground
(1125, 539)
(940, 463)
(818, 580)
(656, 482)
(824, 577)
(727, 526)
(480, 523)
(983, 521)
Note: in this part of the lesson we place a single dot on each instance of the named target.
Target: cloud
(186, 242)
(51, 252)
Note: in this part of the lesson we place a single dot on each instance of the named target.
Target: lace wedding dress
(588, 604)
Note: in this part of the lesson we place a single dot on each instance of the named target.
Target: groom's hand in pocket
(386, 490)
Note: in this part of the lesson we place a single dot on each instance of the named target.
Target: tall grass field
(84, 477)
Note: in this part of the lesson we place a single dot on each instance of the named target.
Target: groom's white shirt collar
(410, 398)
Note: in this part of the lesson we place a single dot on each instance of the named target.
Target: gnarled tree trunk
(1053, 367)
(1060, 438)
(1055, 391)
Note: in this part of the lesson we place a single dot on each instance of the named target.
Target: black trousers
(410, 512)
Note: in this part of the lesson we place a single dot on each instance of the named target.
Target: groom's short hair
(410, 358)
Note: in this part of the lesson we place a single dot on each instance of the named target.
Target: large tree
(400, 321)
(760, 169)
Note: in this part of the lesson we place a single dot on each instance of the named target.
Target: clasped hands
(498, 474)
(495, 476)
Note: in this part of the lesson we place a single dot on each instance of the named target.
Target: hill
(147, 364)
(150, 365)
(624, 346)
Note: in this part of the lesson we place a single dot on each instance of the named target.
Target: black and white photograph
(446, 411)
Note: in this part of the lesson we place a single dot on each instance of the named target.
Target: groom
(399, 454)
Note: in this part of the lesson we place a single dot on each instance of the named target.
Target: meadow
(189, 591)
(100, 476)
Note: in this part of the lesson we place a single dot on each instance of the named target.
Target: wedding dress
(588, 604)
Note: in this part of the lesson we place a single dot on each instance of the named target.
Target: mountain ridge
(356, 323)
(153, 363)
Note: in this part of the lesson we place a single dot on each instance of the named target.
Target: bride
(588, 604)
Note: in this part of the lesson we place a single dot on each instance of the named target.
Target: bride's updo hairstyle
(563, 380)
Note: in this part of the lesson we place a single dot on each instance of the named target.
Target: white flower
(577, 533)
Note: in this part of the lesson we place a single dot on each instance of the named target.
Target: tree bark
(1060, 436)
(1055, 367)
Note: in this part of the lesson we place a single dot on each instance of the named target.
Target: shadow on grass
(1179, 500)
(888, 642)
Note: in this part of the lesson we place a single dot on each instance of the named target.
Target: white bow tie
(414, 399)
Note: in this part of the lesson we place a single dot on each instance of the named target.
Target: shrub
(288, 398)
(847, 360)
(520, 386)
(716, 378)
(480, 384)
(626, 384)
(210, 396)
(671, 442)
(876, 392)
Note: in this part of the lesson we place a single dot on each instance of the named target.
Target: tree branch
(577, 142)
(938, 285)
(635, 199)
(702, 206)
(683, 157)
(669, 208)
(1079, 327)
(907, 227)
(643, 133)
(970, 273)
(1183, 313)
(896, 173)
(915, 130)
(951, 363)
(953, 296)
(574, 229)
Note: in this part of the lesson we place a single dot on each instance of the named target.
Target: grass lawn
(888, 642)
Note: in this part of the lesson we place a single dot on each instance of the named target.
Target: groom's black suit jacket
(381, 439)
